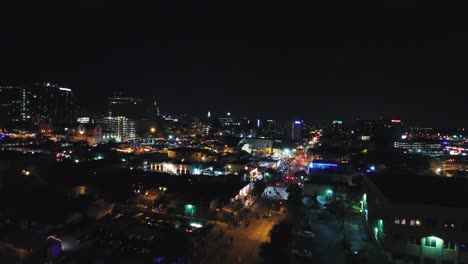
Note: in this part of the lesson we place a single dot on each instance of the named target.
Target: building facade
(130, 107)
(296, 130)
(25, 106)
(434, 149)
(15, 106)
(418, 219)
(122, 126)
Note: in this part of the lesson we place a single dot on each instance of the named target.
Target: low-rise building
(432, 149)
(93, 134)
(257, 145)
(418, 219)
(188, 154)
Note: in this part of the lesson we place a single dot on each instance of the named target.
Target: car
(302, 253)
(306, 234)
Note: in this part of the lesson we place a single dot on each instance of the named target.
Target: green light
(380, 225)
(189, 209)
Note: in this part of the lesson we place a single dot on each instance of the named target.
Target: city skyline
(278, 61)
(331, 132)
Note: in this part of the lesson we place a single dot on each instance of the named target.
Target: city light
(189, 209)
(324, 165)
(197, 225)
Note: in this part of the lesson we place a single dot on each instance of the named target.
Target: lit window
(403, 221)
(412, 222)
(397, 221)
(449, 245)
(418, 223)
(430, 242)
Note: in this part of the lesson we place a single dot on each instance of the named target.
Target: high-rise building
(54, 104)
(24, 106)
(122, 126)
(130, 107)
(270, 129)
(387, 132)
(15, 106)
(296, 130)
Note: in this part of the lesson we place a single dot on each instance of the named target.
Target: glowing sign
(323, 165)
(64, 89)
(297, 122)
(395, 121)
(339, 122)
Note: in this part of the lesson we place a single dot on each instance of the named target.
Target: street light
(153, 129)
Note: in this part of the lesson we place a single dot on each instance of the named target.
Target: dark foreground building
(418, 219)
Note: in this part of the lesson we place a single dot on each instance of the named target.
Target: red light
(395, 121)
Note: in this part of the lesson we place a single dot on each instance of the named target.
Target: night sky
(333, 60)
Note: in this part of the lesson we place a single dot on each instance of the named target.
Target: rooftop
(431, 190)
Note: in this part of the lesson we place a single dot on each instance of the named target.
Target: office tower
(15, 106)
(130, 107)
(122, 126)
(53, 104)
(296, 130)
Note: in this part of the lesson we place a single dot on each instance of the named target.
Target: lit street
(246, 241)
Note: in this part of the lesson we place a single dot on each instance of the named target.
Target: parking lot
(141, 237)
(326, 243)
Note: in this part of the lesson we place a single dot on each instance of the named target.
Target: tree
(294, 193)
(259, 187)
(271, 176)
(277, 251)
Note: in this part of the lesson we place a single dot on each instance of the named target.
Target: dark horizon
(275, 61)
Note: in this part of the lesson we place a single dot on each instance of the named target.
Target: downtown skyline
(278, 61)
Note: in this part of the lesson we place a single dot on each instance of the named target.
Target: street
(217, 246)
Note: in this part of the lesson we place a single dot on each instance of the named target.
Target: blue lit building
(322, 165)
(296, 130)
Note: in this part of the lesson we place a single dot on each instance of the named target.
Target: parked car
(306, 234)
(302, 253)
